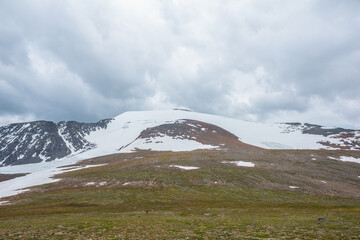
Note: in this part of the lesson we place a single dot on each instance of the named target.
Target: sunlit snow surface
(350, 159)
(346, 159)
(184, 167)
(166, 143)
(38, 174)
(122, 132)
(241, 163)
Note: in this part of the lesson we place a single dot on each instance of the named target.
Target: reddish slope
(202, 132)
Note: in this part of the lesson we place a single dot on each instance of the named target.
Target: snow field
(42, 176)
(346, 159)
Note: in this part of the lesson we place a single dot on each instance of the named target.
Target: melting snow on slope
(126, 127)
(346, 159)
(166, 143)
(293, 187)
(184, 167)
(90, 183)
(241, 163)
(40, 173)
(349, 159)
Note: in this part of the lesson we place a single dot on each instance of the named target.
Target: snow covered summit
(173, 130)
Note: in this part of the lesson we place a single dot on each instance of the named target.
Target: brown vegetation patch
(201, 132)
(5, 177)
(345, 145)
(344, 135)
(335, 146)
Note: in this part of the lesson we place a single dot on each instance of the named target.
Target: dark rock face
(313, 129)
(347, 139)
(319, 130)
(31, 143)
(34, 142)
(74, 132)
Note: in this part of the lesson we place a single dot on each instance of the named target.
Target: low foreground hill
(237, 193)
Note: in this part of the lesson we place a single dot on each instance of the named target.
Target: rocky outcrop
(341, 138)
(38, 141)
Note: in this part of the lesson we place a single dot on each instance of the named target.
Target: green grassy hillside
(140, 196)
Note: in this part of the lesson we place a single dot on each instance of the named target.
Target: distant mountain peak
(39, 141)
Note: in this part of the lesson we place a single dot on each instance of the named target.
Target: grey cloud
(89, 60)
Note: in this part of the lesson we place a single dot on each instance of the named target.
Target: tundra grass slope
(140, 196)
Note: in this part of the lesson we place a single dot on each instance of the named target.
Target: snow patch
(346, 159)
(241, 163)
(192, 125)
(328, 128)
(349, 159)
(102, 183)
(293, 187)
(90, 183)
(184, 167)
(166, 143)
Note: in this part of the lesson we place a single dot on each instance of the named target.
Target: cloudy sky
(265, 60)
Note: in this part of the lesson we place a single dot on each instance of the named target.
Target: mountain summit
(170, 130)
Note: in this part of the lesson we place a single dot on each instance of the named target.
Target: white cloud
(258, 60)
(8, 119)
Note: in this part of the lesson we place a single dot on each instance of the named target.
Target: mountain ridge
(39, 141)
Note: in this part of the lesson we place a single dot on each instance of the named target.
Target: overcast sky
(264, 60)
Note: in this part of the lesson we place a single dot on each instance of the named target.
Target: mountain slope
(235, 185)
(186, 134)
(41, 141)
